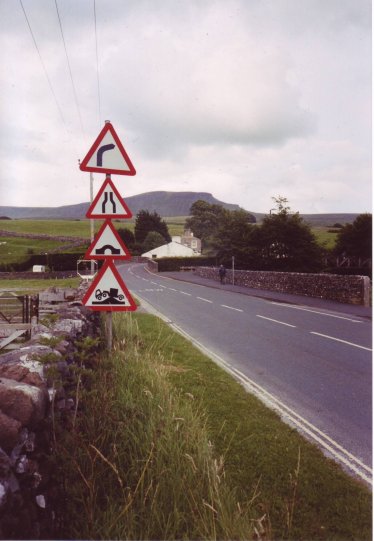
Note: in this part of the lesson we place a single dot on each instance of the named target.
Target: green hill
(165, 204)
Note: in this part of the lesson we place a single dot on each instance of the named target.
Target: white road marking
(323, 439)
(340, 454)
(184, 293)
(205, 300)
(276, 321)
(340, 340)
(172, 289)
(314, 311)
(163, 287)
(231, 308)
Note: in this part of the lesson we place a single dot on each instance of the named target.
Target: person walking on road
(222, 273)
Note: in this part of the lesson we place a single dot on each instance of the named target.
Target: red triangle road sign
(108, 292)
(107, 244)
(108, 203)
(107, 155)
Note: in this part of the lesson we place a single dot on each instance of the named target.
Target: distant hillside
(164, 203)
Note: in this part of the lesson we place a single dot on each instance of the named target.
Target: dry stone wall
(346, 289)
(28, 399)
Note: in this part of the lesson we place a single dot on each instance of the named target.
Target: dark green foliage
(146, 222)
(285, 242)
(204, 219)
(55, 262)
(153, 240)
(233, 237)
(355, 240)
(175, 263)
(127, 236)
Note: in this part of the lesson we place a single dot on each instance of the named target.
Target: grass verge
(167, 445)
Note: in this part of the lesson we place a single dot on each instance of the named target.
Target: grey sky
(247, 99)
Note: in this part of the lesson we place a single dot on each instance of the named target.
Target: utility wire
(44, 68)
(97, 64)
(70, 72)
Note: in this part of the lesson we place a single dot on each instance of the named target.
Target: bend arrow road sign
(108, 292)
(108, 203)
(107, 155)
(107, 244)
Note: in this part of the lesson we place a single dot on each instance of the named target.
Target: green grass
(326, 236)
(261, 451)
(69, 228)
(79, 228)
(19, 249)
(170, 446)
(33, 286)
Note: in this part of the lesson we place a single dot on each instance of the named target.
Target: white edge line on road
(285, 305)
(339, 453)
(302, 420)
(340, 340)
(276, 321)
(205, 300)
(231, 308)
(184, 293)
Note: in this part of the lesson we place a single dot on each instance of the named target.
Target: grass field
(168, 446)
(18, 249)
(78, 228)
(24, 287)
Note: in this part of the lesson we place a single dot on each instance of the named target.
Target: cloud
(244, 99)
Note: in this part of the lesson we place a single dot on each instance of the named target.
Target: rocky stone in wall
(28, 395)
(340, 288)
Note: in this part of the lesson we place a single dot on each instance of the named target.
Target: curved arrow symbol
(100, 152)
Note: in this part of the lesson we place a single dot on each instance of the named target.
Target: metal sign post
(108, 292)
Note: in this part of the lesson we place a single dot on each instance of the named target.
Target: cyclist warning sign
(108, 291)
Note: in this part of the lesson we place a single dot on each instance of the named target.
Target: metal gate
(16, 312)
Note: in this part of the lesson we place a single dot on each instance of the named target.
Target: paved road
(314, 362)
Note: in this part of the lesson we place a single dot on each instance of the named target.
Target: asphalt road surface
(310, 363)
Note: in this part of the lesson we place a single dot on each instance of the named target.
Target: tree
(233, 237)
(355, 240)
(285, 242)
(204, 219)
(152, 240)
(146, 222)
(127, 236)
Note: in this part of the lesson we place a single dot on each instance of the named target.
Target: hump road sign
(108, 203)
(107, 244)
(108, 292)
(107, 155)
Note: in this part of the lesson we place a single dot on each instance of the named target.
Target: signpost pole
(233, 269)
(109, 330)
(92, 225)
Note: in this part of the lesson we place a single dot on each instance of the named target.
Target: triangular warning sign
(108, 203)
(107, 244)
(108, 291)
(107, 155)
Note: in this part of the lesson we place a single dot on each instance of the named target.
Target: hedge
(175, 263)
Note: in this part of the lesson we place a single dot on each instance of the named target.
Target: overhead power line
(70, 72)
(44, 68)
(97, 64)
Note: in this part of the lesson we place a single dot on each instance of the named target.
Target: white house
(172, 249)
